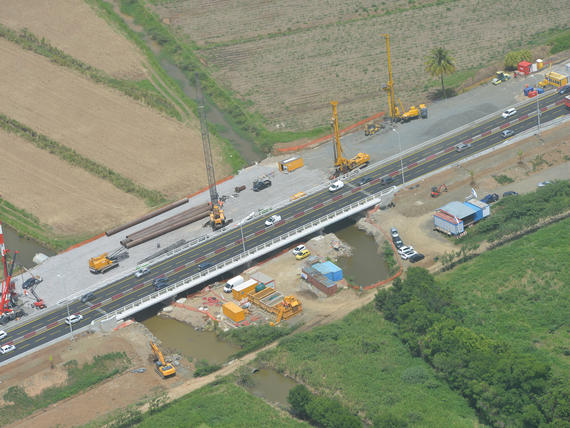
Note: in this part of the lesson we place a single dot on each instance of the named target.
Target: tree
(440, 63)
(513, 58)
(299, 398)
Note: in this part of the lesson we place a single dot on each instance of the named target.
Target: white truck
(231, 283)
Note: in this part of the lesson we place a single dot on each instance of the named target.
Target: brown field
(75, 28)
(70, 200)
(337, 51)
(101, 124)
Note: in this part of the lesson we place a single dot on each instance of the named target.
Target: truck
(106, 261)
(232, 282)
(554, 79)
(567, 101)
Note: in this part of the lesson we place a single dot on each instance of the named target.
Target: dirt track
(74, 27)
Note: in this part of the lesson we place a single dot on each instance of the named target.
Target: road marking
(316, 207)
(52, 325)
(117, 296)
(179, 268)
(299, 214)
(136, 287)
(30, 334)
(484, 134)
(218, 251)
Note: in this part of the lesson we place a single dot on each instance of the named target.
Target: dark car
(261, 184)
(490, 198)
(416, 257)
(398, 242)
(160, 283)
(386, 180)
(86, 297)
(30, 282)
(510, 193)
(205, 265)
(564, 89)
(364, 180)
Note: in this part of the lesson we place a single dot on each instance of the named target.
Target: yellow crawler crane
(163, 368)
(342, 164)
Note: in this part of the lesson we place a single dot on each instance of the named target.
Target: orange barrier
(190, 308)
(84, 242)
(328, 137)
(207, 187)
(122, 325)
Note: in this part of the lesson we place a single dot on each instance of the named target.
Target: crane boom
(389, 87)
(6, 283)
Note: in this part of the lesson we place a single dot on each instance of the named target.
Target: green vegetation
(219, 404)
(513, 58)
(559, 42)
(389, 258)
(78, 379)
(151, 197)
(254, 337)
(203, 368)
(320, 411)
(506, 385)
(145, 93)
(29, 226)
(511, 215)
(503, 179)
(361, 362)
(440, 63)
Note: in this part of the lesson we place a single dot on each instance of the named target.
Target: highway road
(41, 330)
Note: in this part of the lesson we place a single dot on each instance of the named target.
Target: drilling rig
(342, 164)
(9, 295)
(217, 217)
(395, 113)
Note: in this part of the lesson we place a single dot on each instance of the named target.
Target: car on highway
(462, 146)
(142, 271)
(4, 349)
(416, 257)
(303, 254)
(73, 319)
(386, 180)
(160, 283)
(490, 198)
(508, 113)
(507, 133)
(30, 282)
(298, 249)
(337, 185)
(564, 89)
(364, 180)
(259, 185)
(509, 193)
(86, 297)
(275, 218)
(3, 334)
(544, 183)
(205, 265)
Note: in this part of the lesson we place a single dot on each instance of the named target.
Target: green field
(360, 361)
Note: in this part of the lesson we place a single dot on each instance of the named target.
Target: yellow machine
(341, 163)
(217, 217)
(106, 261)
(372, 128)
(289, 307)
(554, 79)
(162, 367)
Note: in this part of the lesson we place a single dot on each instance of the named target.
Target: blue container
(540, 90)
(527, 90)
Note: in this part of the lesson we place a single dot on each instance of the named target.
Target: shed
(459, 210)
(330, 270)
(524, 67)
(318, 280)
(447, 224)
(483, 209)
(241, 291)
(264, 279)
(291, 164)
(233, 311)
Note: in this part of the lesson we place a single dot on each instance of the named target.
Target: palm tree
(440, 63)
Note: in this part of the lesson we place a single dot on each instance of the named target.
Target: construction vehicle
(500, 77)
(163, 368)
(9, 295)
(342, 164)
(553, 79)
(395, 113)
(217, 216)
(106, 261)
(39, 303)
(289, 306)
(415, 113)
(436, 191)
(372, 128)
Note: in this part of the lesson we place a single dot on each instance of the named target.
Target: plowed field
(73, 27)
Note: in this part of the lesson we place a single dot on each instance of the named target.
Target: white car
(299, 249)
(408, 254)
(405, 248)
(544, 183)
(72, 319)
(394, 232)
(3, 334)
(4, 349)
(272, 220)
(508, 113)
(142, 271)
(337, 185)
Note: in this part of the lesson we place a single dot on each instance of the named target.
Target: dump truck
(415, 112)
(106, 261)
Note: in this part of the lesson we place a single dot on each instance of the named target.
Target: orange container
(233, 311)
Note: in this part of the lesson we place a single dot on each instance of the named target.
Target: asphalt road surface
(51, 324)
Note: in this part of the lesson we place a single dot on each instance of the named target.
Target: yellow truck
(106, 261)
(554, 79)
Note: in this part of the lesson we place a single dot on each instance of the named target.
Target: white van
(236, 280)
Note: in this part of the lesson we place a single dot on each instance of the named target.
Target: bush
(513, 58)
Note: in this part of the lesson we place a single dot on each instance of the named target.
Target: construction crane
(8, 290)
(106, 261)
(217, 217)
(395, 113)
(163, 368)
(39, 303)
(342, 164)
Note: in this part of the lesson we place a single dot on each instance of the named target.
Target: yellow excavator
(342, 164)
(163, 368)
(289, 307)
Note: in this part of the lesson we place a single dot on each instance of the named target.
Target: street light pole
(538, 112)
(67, 304)
(250, 215)
(401, 160)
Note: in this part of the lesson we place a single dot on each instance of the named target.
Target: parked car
(142, 271)
(398, 243)
(303, 254)
(416, 257)
(272, 220)
(405, 248)
(337, 185)
(544, 183)
(364, 180)
(490, 198)
(261, 184)
(394, 232)
(73, 319)
(3, 334)
(508, 113)
(298, 249)
(205, 265)
(407, 254)
(507, 133)
(4, 349)
(462, 146)
(30, 282)
(509, 193)
(386, 180)
(86, 297)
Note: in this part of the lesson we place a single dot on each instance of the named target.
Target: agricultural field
(288, 65)
(73, 27)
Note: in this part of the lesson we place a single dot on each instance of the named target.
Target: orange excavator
(289, 307)
(436, 191)
(163, 368)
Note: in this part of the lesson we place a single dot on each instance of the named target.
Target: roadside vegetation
(255, 337)
(79, 379)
